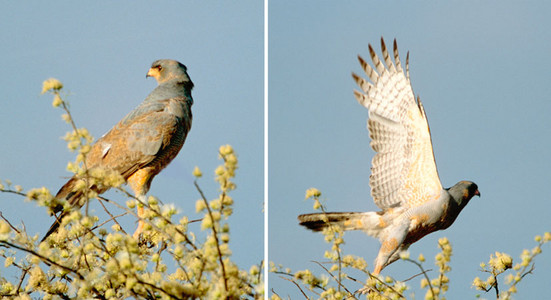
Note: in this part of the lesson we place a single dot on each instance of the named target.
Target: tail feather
(347, 220)
(54, 226)
(371, 223)
(65, 192)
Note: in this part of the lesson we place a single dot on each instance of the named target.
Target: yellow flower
(9, 261)
(197, 172)
(206, 223)
(317, 204)
(501, 261)
(200, 205)
(131, 282)
(51, 84)
(219, 171)
(57, 100)
(87, 222)
(231, 159)
(254, 270)
(425, 283)
(479, 284)
(66, 118)
(312, 192)
(225, 238)
(226, 149)
(491, 280)
(215, 204)
(152, 200)
(227, 200)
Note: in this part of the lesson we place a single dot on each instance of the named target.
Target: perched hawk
(144, 142)
(404, 180)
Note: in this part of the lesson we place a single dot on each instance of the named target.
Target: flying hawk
(404, 180)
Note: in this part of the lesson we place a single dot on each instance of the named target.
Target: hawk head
(463, 191)
(164, 70)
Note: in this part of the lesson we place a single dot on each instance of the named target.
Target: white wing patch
(403, 170)
(105, 147)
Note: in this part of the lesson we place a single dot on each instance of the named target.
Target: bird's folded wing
(136, 140)
(403, 170)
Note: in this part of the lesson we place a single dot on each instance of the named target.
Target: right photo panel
(365, 199)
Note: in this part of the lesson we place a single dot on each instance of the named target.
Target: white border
(266, 261)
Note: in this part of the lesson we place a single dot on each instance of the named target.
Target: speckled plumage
(404, 180)
(146, 140)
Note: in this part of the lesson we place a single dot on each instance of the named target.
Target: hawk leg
(141, 223)
(391, 246)
(139, 183)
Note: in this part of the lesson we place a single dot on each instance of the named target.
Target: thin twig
(109, 213)
(425, 274)
(496, 286)
(45, 259)
(111, 219)
(158, 214)
(298, 286)
(529, 271)
(337, 280)
(416, 275)
(86, 177)
(9, 223)
(154, 287)
(291, 275)
(273, 292)
(13, 192)
(215, 234)
(381, 282)
(25, 271)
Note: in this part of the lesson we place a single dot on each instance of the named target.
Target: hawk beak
(153, 72)
(477, 193)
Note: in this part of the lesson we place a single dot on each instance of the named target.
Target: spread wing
(403, 171)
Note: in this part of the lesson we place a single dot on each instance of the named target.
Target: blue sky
(102, 53)
(482, 71)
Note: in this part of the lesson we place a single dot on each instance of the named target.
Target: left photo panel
(132, 157)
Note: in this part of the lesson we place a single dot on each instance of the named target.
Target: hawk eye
(159, 67)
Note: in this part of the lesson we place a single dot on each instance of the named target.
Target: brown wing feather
(134, 144)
